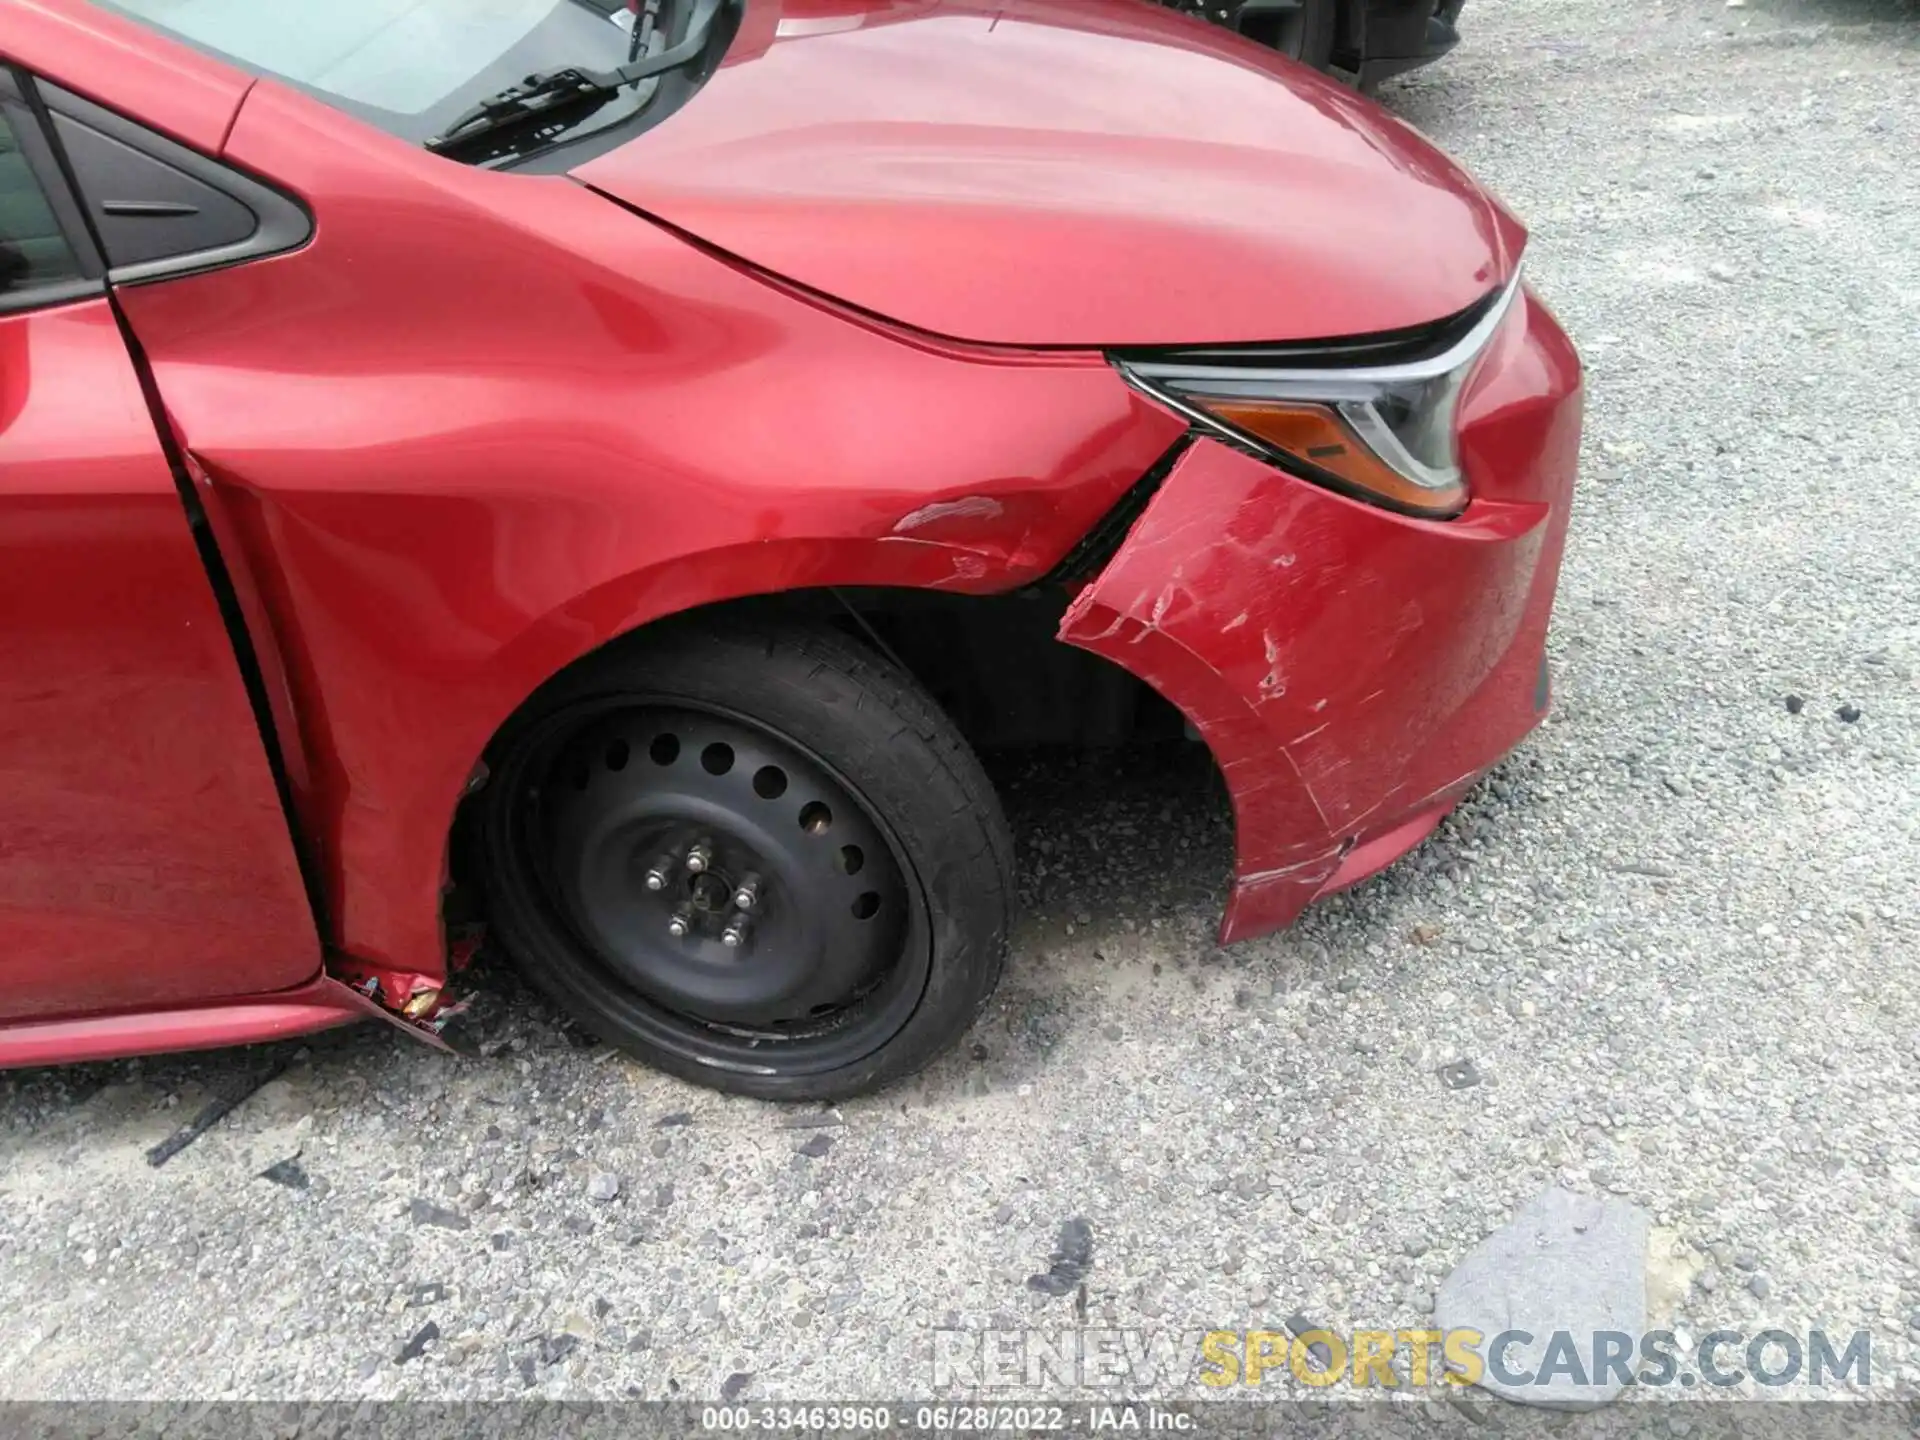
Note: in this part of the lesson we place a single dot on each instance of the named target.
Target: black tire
(828, 717)
(1306, 32)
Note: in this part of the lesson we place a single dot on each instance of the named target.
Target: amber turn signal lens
(1319, 437)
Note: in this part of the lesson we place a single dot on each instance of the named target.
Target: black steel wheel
(714, 847)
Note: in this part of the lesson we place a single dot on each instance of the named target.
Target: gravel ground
(1676, 935)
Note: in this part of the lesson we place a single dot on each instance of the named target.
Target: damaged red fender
(1353, 670)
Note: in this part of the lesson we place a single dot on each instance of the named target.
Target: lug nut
(660, 872)
(746, 894)
(680, 922)
(699, 857)
(735, 935)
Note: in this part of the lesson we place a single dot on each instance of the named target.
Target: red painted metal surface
(1066, 172)
(485, 422)
(320, 1004)
(1351, 669)
(144, 856)
(520, 421)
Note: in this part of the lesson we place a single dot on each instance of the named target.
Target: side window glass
(36, 263)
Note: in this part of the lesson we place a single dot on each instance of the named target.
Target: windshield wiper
(541, 95)
(644, 18)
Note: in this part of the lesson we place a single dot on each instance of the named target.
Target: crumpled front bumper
(1353, 671)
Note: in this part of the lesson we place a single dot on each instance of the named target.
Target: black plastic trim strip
(1095, 549)
(283, 222)
(47, 297)
(28, 122)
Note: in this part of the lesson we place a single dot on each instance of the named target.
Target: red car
(591, 475)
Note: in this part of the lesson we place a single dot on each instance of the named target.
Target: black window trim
(29, 128)
(284, 223)
(30, 103)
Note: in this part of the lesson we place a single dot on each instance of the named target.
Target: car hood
(1062, 173)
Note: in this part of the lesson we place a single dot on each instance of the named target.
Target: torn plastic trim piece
(1090, 554)
(419, 1004)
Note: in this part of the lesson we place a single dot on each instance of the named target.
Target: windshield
(408, 66)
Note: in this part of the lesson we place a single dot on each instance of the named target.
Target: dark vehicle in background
(1369, 39)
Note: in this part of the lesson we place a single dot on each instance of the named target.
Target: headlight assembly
(1383, 433)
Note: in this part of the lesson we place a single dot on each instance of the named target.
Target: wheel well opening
(996, 668)
(1026, 702)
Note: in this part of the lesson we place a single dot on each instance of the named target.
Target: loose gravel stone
(425, 1212)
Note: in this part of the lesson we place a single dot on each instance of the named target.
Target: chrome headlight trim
(1460, 353)
(1403, 412)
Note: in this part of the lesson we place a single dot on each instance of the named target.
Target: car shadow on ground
(1106, 843)
(1123, 861)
